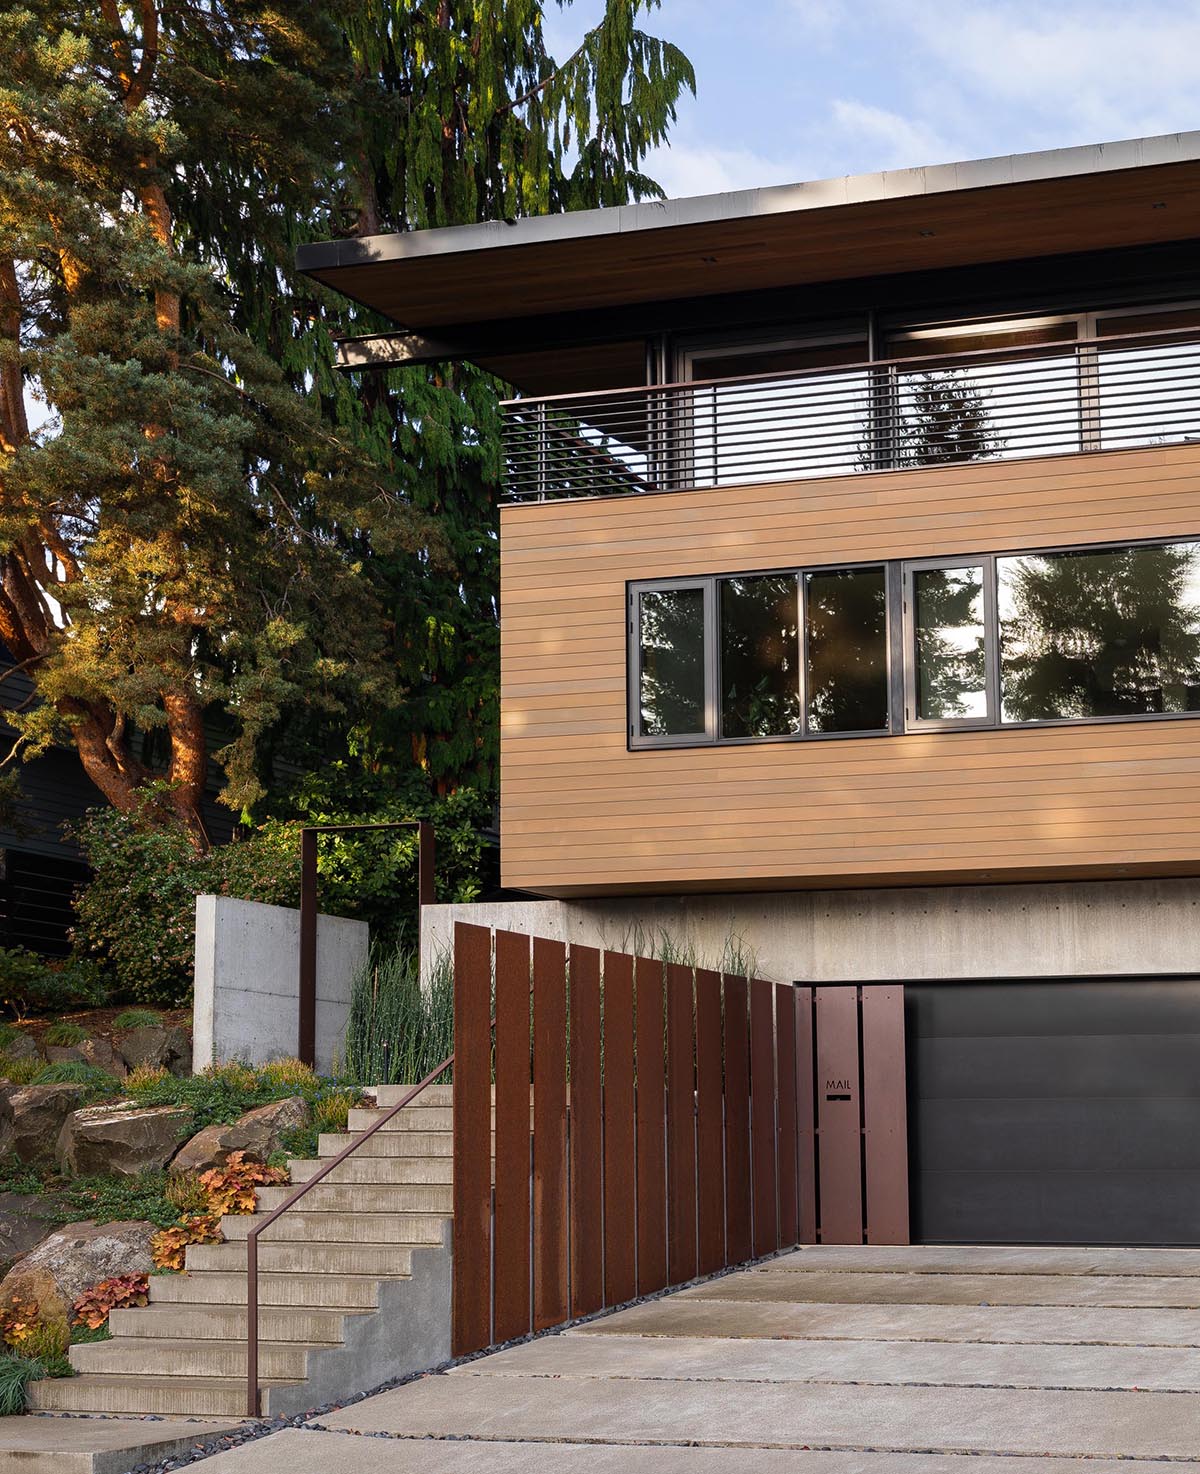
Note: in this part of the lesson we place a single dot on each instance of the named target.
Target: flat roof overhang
(434, 282)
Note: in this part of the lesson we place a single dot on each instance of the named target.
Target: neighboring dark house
(850, 571)
(40, 864)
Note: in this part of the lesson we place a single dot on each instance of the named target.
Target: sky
(789, 90)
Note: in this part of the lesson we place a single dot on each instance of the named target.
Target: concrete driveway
(825, 1361)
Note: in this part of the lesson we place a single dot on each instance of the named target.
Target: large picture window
(1051, 636)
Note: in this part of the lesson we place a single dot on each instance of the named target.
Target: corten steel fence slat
(885, 1114)
(550, 1297)
(785, 1081)
(738, 1245)
(710, 1131)
(806, 1136)
(471, 1313)
(512, 1223)
(587, 1188)
(681, 1127)
(651, 1138)
(620, 1211)
(762, 1116)
(838, 1118)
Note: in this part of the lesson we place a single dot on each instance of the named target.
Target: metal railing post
(306, 1045)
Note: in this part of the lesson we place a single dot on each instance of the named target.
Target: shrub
(29, 984)
(144, 1077)
(64, 1033)
(8, 1035)
(46, 1342)
(137, 1018)
(186, 1193)
(99, 1082)
(168, 1247)
(398, 1031)
(16, 1372)
(21, 1071)
(118, 1293)
(231, 1189)
(137, 914)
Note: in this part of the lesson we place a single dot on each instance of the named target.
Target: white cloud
(688, 169)
(893, 141)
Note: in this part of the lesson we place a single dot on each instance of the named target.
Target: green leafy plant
(16, 1373)
(330, 1111)
(29, 984)
(8, 1035)
(110, 1199)
(64, 1033)
(398, 1031)
(84, 1335)
(137, 1018)
(121, 1292)
(47, 1343)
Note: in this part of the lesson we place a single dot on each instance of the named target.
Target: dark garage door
(1055, 1112)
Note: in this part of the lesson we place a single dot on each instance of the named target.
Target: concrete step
(389, 1144)
(302, 1323)
(358, 1169)
(287, 1256)
(144, 1356)
(305, 1226)
(415, 1118)
(362, 1197)
(156, 1395)
(432, 1095)
(228, 1288)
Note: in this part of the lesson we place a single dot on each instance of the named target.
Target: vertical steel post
(253, 1405)
(306, 1049)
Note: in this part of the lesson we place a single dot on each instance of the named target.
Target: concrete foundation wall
(247, 981)
(1045, 930)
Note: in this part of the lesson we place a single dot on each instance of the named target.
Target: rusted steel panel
(806, 1134)
(839, 1118)
(681, 1127)
(549, 1133)
(471, 1316)
(587, 1165)
(620, 1196)
(512, 1242)
(710, 1131)
(762, 1116)
(651, 1137)
(885, 1113)
(738, 1245)
(785, 1084)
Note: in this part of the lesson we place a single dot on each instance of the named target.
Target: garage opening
(1055, 1111)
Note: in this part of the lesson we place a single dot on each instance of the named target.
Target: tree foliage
(201, 526)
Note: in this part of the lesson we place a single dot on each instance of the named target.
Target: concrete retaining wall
(247, 981)
(1071, 929)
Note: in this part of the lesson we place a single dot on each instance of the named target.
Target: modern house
(850, 562)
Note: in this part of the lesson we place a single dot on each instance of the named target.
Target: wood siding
(583, 815)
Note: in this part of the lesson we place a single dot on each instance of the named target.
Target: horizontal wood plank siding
(581, 814)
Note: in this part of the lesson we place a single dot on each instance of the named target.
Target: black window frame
(901, 648)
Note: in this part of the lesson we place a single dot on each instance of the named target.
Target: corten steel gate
(654, 1122)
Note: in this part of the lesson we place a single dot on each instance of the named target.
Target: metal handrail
(253, 1398)
(1039, 399)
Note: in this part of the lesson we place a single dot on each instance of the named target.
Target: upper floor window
(1052, 636)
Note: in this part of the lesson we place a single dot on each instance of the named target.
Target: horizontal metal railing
(1043, 399)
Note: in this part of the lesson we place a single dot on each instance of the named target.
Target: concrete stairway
(354, 1289)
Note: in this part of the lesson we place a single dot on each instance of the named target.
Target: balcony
(1101, 393)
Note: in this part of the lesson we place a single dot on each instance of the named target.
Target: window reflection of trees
(1110, 633)
(672, 662)
(759, 656)
(847, 677)
(951, 643)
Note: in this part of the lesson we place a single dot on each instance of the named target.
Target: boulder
(98, 1052)
(24, 1223)
(72, 1260)
(24, 1046)
(32, 1116)
(156, 1046)
(120, 1138)
(258, 1133)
